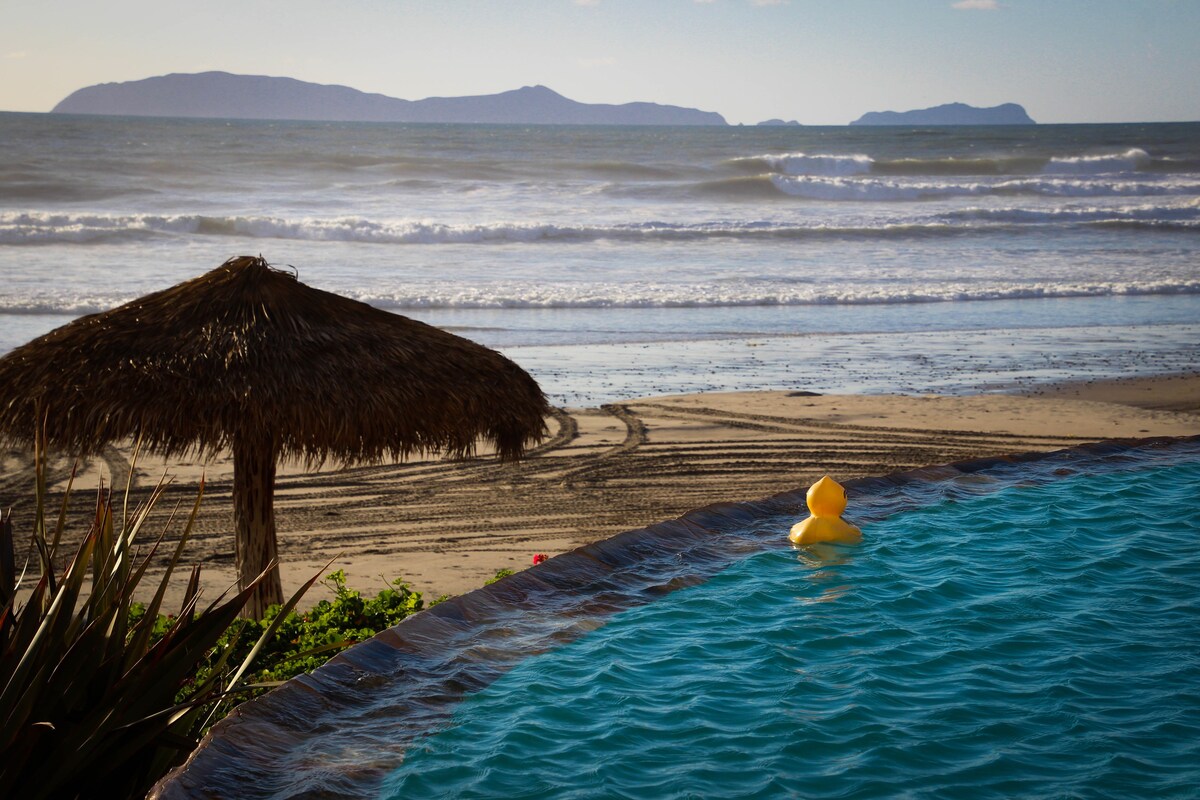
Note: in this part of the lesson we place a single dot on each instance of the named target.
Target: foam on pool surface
(1038, 641)
(1010, 627)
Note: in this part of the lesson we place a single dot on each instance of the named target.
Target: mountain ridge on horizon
(217, 94)
(950, 114)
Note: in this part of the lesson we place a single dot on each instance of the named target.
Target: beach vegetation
(100, 690)
(501, 573)
(97, 692)
(303, 640)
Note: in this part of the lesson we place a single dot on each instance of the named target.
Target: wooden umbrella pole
(254, 521)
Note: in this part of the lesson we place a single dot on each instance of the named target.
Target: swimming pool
(1006, 629)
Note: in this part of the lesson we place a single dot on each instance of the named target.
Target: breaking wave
(656, 295)
(711, 295)
(1134, 159)
(1185, 215)
(42, 228)
(31, 228)
(1131, 160)
(891, 190)
(860, 178)
(805, 164)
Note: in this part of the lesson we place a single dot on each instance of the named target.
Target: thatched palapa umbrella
(248, 358)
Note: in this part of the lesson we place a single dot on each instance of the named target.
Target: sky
(821, 62)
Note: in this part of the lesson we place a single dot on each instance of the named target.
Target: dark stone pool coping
(337, 732)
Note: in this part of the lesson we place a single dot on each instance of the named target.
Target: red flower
(539, 558)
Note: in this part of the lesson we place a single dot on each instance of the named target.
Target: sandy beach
(445, 527)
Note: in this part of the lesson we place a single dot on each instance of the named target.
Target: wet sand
(445, 527)
(1166, 393)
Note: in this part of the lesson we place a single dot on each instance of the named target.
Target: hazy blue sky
(817, 61)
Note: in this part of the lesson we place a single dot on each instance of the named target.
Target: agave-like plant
(92, 704)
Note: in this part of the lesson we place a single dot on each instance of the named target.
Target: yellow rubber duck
(826, 500)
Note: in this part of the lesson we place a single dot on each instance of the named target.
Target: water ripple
(1039, 640)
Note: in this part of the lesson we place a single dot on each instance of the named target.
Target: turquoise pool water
(1039, 641)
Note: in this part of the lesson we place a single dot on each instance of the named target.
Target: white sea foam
(1133, 159)
(1185, 214)
(33, 228)
(1128, 161)
(1116, 187)
(807, 164)
(804, 164)
(647, 295)
(893, 190)
(36, 228)
(844, 189)
(658, 295)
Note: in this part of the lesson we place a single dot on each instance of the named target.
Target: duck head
(826, 498)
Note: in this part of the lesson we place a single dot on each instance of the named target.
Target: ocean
(615, 262)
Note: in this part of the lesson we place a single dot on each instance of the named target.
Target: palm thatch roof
(247, 350)
(248, 358)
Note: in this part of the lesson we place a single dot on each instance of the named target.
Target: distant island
(950, 114)
(228, 96)
(778, 122)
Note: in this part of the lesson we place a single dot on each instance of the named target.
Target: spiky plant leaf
(88, 699)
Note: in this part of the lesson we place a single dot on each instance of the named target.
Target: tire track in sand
(601, 471)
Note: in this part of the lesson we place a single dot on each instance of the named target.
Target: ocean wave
(727, 295)
(955, 165)
(1173, 164)
(1147, 225)
(40, 228)
(806, 164)
(32, 228)
(41, 190)
(877, 189)
(846, 189)
(1130, 160)
(626, 170)
(346, 164)
(55, 306)
(652, 295)
(802, 164)
(748, 187)
(904, 188)
(1187, 213)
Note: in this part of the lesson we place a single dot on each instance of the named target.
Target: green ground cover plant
(302, 640)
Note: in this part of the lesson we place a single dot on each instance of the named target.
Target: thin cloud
(16, 54)
(975, 5)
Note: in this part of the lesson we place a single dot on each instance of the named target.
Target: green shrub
(305, 640)
(97, 693)
(501, 573)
